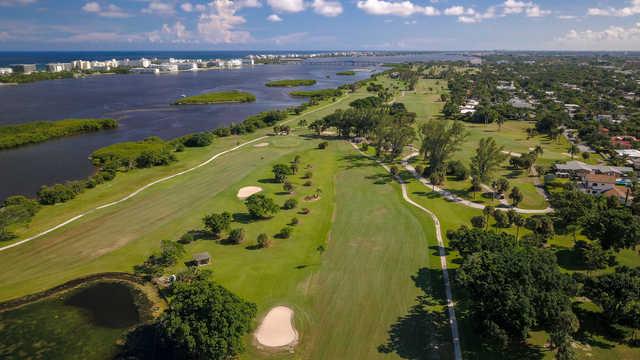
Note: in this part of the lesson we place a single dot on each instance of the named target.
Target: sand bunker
(277, 329)
(247, 191)
(261, 144)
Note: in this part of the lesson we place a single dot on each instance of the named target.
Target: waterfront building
(81, 65)
(24, 68)
(5, 71)
(59, 67)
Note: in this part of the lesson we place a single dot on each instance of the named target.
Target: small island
(346, 73)
(12, 136)
(291, 83)
(217, 97)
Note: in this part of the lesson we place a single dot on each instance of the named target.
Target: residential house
(597, 184)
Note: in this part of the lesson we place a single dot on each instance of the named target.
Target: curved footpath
(454, 198)
(457, 351)
(7, 247)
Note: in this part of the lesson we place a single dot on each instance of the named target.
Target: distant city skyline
(320, 24)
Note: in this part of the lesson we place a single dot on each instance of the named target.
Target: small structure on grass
(201, 259)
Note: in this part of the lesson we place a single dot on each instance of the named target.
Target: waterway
(141, 104)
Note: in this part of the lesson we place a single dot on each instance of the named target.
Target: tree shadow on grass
(354, 161)
(594, 324)
(424, 332)
(380, 179)
(268, 181)
(427, 194)
(243, 218)
(569, 259)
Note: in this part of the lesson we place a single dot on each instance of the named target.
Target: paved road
(458, 200)
(453, 322)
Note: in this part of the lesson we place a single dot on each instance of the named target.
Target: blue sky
(320, 24)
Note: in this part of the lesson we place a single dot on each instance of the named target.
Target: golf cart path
(453, 322)
(454, 198)
(141, 189)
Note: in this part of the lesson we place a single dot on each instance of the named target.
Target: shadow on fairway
(423, 333)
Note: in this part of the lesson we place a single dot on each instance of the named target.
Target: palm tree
(573, 150)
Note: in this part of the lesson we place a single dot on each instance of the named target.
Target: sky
(320, 25)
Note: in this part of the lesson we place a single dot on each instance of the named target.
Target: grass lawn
(94, 243)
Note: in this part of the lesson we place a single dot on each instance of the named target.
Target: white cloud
(529, 8)
(177, 33)
(16, 2)
(109, 11)
(632, 9)
(612, 38)
(292, 6)
(274, 18)
(220, 24)
(473, 17)
(327, 8)
(455, 11)
(4, 36)
(186, 7)
(403, 8)
(91, 7)
(567, 17)
(159, 8)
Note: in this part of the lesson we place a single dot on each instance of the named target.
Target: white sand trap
(247, 191)
(261, 144)
(277, 329)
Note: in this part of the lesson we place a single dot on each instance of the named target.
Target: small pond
(84, 323)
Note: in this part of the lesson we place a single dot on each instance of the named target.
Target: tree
(501, 185)
(264, 241)
(488, 211)
(615, 228)
(217, 223)
(500, 121)
(487, 158)
(518, 221)
(439, 142)
(237, 236)
(280, 172)
(479, 222)
(541, 226)
(502, 219)
(511, 288)
(261, 207)
(290, 204)
(593, 255)
(288, 187)
(614, 292)
(206, 321)
(476, 185)
(562, 332)
(285, 232)
(573, 150)
(516, 196)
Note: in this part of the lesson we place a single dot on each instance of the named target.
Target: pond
(84, 323)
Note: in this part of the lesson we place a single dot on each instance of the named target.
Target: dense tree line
(512, 287)
(35, 132)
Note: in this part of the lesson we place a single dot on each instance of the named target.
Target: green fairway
(375, 268)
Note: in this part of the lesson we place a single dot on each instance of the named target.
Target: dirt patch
(276, 329)
(247, 191)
